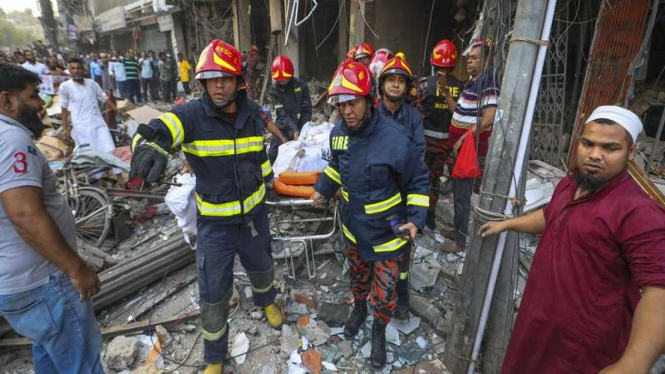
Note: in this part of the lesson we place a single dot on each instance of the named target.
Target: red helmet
(444, 54)
(382, 56)
(397, 65)
(282, 68)
(219, 59)
(254, 48)
(351, 54)
(364, 50)
(352, 79)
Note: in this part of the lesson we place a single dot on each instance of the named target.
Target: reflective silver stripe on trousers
(436, 134)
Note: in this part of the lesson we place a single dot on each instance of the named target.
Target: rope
(537, 42)
(513, 200)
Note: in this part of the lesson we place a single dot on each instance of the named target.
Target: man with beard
(595, 296)
(45, 287)
(32, 64)
(81, 118)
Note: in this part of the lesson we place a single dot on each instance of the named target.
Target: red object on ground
(466, 165)
(594, 255)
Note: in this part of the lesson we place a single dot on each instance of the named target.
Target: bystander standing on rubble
(167, 71)
(108, 83)
(132, 83)
(436, 99)
(475, 110)
(81, 117)
(117, 71)
(384, 188)
(231, 178)
(32, 64)
(394, 83)
(292, 101)
(45, 287)
(185, 69)
(595, 296)
(148, 72)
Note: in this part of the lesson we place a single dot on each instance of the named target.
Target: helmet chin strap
(395, 99)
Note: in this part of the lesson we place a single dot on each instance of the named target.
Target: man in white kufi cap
(595, 298)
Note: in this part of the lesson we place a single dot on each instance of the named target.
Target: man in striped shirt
(475, 111)
(132, 83)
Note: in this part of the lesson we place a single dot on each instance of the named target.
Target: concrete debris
(422, 343)
(304, 299)
(317, 332)
(8, 357)
(346, 348)
(297, 309)
(121, 352)
(295, 364)
(334, 315)
(392, 336)
(312, 360)
(405, 326)
(239, 348)
(329, 366)
(366, 350)
(331, 354)
(164, 336)
(425, 268)
(290, 341)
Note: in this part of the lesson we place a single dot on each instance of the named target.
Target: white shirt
(38, 68)
(88, 125)
(117, 69)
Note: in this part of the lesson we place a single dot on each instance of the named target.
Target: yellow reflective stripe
(262, 290)
(384, 205)
(255, 198)
(249, 144)
(348, 234)
(231, 208)
(209, 148)
(417, 199)
(266, 168)
(174, 125)
(155, 146)
(226, 147)
(390, 246)
(345, 195)
(137, 138)
(332, 174)
(213, 336)
(217, 210)
(404, 275)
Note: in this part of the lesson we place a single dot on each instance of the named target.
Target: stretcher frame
(291, 205)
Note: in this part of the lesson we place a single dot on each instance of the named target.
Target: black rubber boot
(402, 313)
(356, 320)
(378, 356)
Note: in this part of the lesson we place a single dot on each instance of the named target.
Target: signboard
(84, 23)
(165, 23)
(51, 83)
(112, 19)
(72, 32)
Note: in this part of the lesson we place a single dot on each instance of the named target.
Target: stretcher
(311, 224)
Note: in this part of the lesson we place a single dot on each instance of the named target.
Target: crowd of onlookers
(149, 76)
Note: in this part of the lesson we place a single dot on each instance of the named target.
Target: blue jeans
(64, 332)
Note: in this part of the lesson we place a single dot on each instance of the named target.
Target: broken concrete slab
(406, 326)
(121, 352)
(164, 336)
(346, 348)
(239, 348)
(317, 332)
(392, 336)
(334, 315)
(290, 341)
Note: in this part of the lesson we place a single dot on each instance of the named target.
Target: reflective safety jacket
(227, 156)
(381, 175)
(412, 121)
(434, 107)
(293, 105)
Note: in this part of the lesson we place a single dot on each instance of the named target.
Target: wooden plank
(116, 330)
(645, 183)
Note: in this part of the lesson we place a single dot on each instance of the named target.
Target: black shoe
(378, 356)
(402, 313)
(356, 320)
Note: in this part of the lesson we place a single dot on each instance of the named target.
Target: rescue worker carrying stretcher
(222, 136)
(292, 101)
(384, 188)
(436, 100)
(394, 82)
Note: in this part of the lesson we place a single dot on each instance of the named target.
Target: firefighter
(292, 101)
(222, 136)
(364, 53)
(436, 100)
(384, 196)
(351, 53)
(380, 59)
(394, 83)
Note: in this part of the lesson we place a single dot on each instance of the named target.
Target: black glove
(148, 162)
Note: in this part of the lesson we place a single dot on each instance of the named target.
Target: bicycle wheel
(93, 215)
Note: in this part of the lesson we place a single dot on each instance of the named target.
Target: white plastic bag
(182, 202)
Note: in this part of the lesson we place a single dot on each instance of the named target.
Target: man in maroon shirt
(595, 298)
